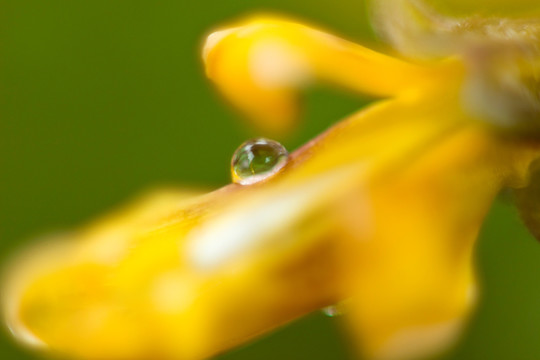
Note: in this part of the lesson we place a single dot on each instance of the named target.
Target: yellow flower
(379, 213)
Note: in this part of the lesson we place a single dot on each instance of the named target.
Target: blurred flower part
(379, 214)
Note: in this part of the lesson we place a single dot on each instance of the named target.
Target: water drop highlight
(257, 160)
(334, 310)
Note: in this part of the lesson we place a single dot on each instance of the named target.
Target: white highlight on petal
(422, 340)
(244, 226)
(273, 64)
(238, 229)
(46, 256)
(26, 337)
(213, 40)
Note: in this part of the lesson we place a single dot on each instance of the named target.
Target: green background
(103, 99)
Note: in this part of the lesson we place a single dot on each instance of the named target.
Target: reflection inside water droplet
(333, 310)
(256, 160)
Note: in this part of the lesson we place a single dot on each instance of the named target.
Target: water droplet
(256, 160)
(333, 310)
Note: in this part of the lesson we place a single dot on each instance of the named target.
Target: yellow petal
(382, 209)
(415, 282)
(179, 278)
(260, 64)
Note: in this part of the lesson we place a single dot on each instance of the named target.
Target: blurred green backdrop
(103, 99)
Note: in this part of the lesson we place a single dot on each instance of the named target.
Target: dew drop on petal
(257, 160)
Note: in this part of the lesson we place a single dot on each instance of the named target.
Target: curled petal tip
(212, 41)
(261, 65)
